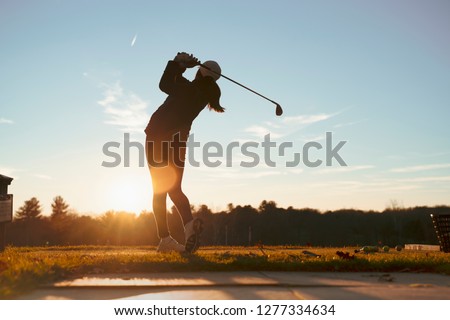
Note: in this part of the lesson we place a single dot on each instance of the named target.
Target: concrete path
(251, 286)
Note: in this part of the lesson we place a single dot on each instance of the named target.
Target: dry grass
(22, 269)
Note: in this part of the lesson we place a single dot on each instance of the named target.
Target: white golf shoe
(169, 244)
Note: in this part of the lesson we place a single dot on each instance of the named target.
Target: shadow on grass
(23, 269)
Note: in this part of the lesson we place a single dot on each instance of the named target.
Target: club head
(278, 110)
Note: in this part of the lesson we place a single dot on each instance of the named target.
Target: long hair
(213, 93)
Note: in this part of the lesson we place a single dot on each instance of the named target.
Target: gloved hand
(186, 60)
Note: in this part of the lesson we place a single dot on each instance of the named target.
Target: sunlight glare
(127, 195)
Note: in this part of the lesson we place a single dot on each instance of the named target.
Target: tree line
(237, 225)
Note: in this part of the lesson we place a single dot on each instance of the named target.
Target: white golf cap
(213, 66)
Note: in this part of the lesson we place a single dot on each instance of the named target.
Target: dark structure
(441, 224)
(5, 207)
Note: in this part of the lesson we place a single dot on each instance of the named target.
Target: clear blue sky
(77, 74)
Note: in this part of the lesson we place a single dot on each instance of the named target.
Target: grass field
(25, 268)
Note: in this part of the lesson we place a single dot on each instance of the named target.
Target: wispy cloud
(308, 119)
(260, 131)
(384, 184)
(309, 137)
(354, 186)
(10, 172)
(417, 155)
(343, 169)
(134, 40)
(238, 174)
(347, 124)
(124, 109)
(428, 179)
(287, 125)
(6, 121)
(42, 176)
(425, 167)
(272, 124)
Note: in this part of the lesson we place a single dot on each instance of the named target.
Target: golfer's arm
(172, 79)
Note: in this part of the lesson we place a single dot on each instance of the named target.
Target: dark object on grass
(386, 277)
(345, 255)
(260, 247)
(311, 254)
(368, 249)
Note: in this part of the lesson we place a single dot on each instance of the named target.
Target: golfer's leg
(154, 155)
(179, 199)
(176, 194)
(192, 228)
(160, 212)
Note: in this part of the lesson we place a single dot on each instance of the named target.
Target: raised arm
(172, 79)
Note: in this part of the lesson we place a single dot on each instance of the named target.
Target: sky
(76, 75)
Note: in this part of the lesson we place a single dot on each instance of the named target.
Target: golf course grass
(25, 268)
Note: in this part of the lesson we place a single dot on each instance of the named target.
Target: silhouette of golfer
(166, 136)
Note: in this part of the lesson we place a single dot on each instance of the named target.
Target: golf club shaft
(222, 75)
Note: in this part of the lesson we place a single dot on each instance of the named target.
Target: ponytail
(213, 93)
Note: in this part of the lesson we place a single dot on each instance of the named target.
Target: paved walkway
(251, 286)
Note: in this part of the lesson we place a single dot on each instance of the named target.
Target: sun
(127, 195)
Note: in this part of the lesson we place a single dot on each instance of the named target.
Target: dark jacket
(185, 101)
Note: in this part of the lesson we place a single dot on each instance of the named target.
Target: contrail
(134, 40)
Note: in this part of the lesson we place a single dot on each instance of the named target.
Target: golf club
(278, 110)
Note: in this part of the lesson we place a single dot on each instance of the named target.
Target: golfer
(166, 136)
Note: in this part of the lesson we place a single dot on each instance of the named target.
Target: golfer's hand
(186, 60)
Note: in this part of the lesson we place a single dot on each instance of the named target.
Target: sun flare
(127, 196)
